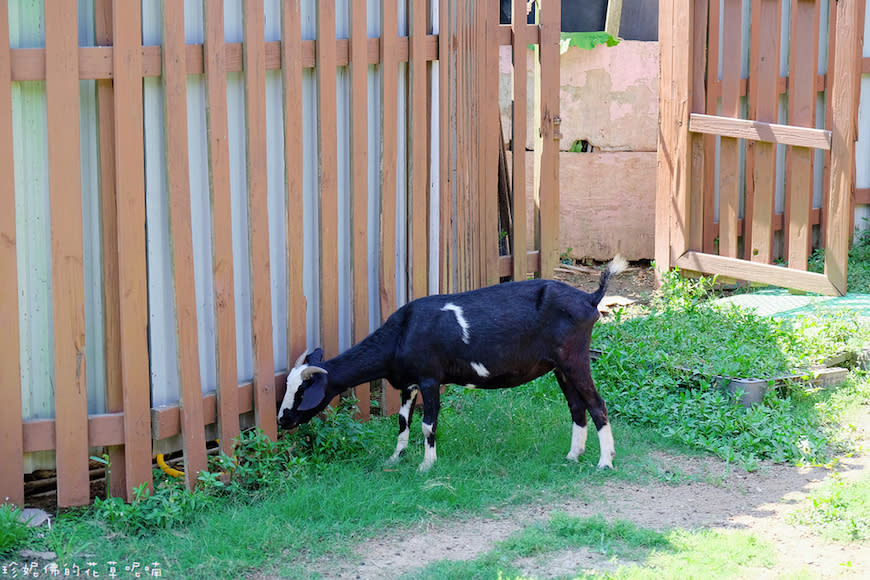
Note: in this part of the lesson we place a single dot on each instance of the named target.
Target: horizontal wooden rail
(862, 195)
(759, 131)
(95, 62)
(506, 263)
(757, 271)
(107, 429)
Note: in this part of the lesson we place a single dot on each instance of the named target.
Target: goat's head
(306, 391)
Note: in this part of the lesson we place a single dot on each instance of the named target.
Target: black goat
(499, 336)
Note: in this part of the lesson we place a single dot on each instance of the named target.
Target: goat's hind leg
(409, 395)
(578, 382)
(431, 393)
(578, 418)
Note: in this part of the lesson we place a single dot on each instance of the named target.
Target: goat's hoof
(606, 465)
(574, 458)
(424, 467)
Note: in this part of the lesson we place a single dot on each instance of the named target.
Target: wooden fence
(759, 114)
(254, 177)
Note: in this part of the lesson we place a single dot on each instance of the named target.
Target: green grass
(838, 511)
(316, 491)
(859, 261)
(627, 550)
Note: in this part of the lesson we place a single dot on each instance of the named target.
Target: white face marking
(429, 455)
(578, 442)
(605, 441)
(460, 319)
(480, 369)
(294, 381)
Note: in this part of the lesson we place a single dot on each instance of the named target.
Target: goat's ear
(315, 357)
(313, 395)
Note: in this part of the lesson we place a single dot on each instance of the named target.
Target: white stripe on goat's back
(480, 369)
(460, 319)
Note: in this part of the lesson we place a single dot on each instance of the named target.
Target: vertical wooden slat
(359, 162)
(843, 135)
(763, 100)
(492, 140)
(476, 152)
(462, 125)
(11, 432)
(258, 216)
(64, 158)
(132, 269)
(419, 149)
(699, 161)
(446, 116)
(181, 240)
(829, 118)
(327, 171)
(672, 181)
(546, 141)
(291, 71)
(519, 51)
(221, 223)
(729, 184)
(389, 154)
(713, 94)
(109, 222)
(802, 98)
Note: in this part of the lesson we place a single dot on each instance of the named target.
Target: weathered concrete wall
(609, 98)
(607, 204)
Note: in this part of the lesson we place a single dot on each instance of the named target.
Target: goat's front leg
(431, 392)
(409, 395)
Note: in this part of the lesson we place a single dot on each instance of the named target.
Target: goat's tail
(616, 265)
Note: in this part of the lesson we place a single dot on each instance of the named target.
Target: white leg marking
(605, 441)
(429, 453)
(402, 442)
(578, 442)
(460, 319)
(480, 369)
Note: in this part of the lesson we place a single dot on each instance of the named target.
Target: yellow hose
(166, 469)
(170, 470)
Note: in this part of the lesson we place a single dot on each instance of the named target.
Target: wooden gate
(742, 117)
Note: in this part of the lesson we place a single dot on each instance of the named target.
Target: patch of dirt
(712, 495)
(637, 282)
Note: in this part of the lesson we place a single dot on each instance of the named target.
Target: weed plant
(659, 371)
(13, 532)
(859, 260)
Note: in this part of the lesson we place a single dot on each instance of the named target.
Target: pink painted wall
(609, 98)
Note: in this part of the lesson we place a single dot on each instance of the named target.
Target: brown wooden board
(547, 144)
(801, 104)
(729, 183)
(493, 144)
(181, 240)
(291, 71)
(327, 173)
(389, 154)
(519, 52)
(839, 207)
(11, 431)
(109, 223)
(221, 221)
(445, 136)
(359, 181)
(713, 94)
(132, 268)
(418, 132)
(258, 218)
(67, 275)
(763, 105)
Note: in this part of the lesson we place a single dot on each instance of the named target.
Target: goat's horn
(301, 359)
(308, 372)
